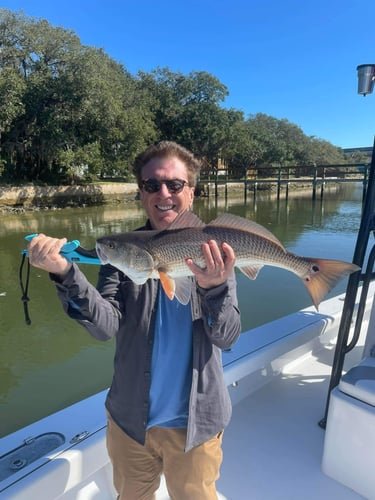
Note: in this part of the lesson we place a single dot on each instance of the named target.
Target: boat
(303, 423)
(274, 448)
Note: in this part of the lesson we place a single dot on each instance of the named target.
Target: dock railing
(314, 177)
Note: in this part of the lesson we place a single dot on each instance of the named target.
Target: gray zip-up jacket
(121, 309)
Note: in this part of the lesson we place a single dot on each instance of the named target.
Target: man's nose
(164, 190)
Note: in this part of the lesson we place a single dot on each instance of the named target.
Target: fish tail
(324, 275)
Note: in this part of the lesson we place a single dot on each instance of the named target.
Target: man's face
(163, 205)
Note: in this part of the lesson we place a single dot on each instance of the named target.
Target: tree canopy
(70, 111)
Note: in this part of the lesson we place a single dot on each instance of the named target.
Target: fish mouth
(102, 256)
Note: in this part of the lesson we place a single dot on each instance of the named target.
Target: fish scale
(171, 251)
(162, 254)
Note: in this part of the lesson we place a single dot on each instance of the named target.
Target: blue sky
(293, 59)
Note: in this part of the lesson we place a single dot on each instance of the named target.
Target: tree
(69, 100)
(321, 152)
(244, 150)
(187, 110)
(69, 110)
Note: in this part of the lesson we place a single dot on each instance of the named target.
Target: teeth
(170, 207)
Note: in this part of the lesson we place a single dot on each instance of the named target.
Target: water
(53, 362)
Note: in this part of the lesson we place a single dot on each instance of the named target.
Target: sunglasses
(153, 185)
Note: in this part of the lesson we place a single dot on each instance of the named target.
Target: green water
(53, 362)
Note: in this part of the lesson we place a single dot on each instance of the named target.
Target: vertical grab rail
(366, 226)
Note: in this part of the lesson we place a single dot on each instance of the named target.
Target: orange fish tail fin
(324, 275)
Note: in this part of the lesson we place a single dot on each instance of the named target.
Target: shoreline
(15, 199)
(30, 198)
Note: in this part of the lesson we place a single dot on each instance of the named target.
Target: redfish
(161, 254)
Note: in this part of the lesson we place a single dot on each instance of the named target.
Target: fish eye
(111, 245)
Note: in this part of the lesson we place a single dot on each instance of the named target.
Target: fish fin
(324, 275)
(186, 219)
(168, 284)
(236, 222)
(183, 289)
(251, 271)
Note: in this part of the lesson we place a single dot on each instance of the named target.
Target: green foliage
(66, 106)
(187, 110)
(69, 113)
(82, 163)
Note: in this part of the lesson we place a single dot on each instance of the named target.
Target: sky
(290, 59)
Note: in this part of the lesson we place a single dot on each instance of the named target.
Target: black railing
(316, 176)
(367, 226)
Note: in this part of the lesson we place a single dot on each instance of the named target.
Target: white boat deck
(273, 446)
(278, 377)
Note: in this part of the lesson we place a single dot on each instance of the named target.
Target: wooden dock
(315, 177)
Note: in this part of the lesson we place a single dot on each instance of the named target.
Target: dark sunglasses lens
(151, 185)
(175, 185)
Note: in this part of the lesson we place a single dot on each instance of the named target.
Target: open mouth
(102, 256)
(165, 208)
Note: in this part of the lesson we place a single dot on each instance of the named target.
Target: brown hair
(168, 149)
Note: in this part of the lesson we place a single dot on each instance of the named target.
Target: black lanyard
(25, 288)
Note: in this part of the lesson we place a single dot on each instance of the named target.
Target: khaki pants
(137, 469)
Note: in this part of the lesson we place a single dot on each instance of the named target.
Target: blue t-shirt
(171, 364)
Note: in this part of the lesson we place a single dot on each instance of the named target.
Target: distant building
(358, 154)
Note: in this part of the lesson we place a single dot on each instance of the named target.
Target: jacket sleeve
(220, 313)
(96, 309)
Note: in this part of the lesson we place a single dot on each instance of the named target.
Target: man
(168, 404)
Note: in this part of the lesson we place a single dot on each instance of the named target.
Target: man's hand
(44, 253)
(218, 268)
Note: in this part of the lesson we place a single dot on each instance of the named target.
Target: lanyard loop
(25, 288)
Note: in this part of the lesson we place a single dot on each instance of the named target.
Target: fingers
(44, 253)
(219, 264)
(212, 256)
(230, 257)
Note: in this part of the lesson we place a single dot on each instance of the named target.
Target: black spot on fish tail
(324, 276)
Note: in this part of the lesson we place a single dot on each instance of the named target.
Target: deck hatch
(31, 450)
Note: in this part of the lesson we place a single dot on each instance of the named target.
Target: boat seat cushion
(359, 381)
